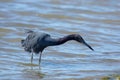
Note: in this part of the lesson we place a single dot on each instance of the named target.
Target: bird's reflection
(33, 73)
(31, 65)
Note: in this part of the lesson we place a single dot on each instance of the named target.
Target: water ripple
(96, 21)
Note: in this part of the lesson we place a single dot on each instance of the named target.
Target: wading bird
(36, 42)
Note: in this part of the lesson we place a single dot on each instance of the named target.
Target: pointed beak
(88, 46)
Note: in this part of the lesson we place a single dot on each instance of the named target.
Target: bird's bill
(88, 46)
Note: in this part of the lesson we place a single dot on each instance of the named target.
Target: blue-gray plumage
(36, 42)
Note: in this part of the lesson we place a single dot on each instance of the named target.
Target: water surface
(98, 21)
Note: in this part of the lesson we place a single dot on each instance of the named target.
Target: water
(98, 21)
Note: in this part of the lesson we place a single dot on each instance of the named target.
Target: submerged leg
(40, 58)
(31, 57)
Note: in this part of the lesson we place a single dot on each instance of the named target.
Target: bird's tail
(28, 31)
(22, 42)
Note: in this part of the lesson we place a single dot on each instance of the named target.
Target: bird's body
(36, 42)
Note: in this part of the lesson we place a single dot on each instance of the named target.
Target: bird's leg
(40, 58)
(31, 57)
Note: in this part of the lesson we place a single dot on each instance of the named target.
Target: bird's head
(81, 40)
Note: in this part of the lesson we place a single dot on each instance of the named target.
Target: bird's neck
(65, 39)
(54, 42)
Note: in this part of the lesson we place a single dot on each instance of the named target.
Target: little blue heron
(36, 42)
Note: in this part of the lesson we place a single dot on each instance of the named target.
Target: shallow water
(97, 21)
